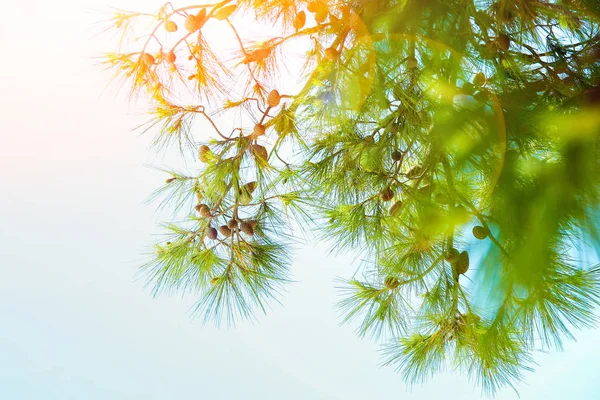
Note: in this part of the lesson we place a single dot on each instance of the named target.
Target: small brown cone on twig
(259, 130)
(203, 153)
(225, 231)
(321, 15)
(245, 193)
(462, 265)
(396, 155)
(259, 151)
(273, 99)
(203, 210)
(170, 26)
(212, 233)
(192, 23)
(232, 224)
(300, 20)
(391, 282)
(479, 79)
(250, 187)
(246, 227)
(171, 57)
(503, 42)
(148, 59)
(480, 232)
(387, 194)
(452, 255)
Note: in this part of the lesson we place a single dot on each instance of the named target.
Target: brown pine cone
(273, 99)
(503, 42)
(391, 282)
(300, 20)
(452, 255)
(211, 233)
(192, 23)
(225, 231)
(259, 130)
(203, 210)
(480, 232)
(462, 265)
(259, 151)
(387, 194)
(203, 153)
(246, 227)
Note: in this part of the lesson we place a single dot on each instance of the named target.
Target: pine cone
(479, 79)
(259, 151)
(480, 232)
(211, 233)
(148, 59)
(452, 255)
(396, 155)
(253, 223)
(204, 153)
(250, 187)
(300, 20)
(246, 227)
(203, 210)
(273, 99)
(225, 231)
(391, 282)
(321, 15)
(259, 130)
(171, 57)
(503, 42)
(462, 265)
(232, 224)
(170, 26)
(245, 193)
(192, 23)
(387, 194)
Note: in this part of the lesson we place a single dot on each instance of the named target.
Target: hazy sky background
(74, 322)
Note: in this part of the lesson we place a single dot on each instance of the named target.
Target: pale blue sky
(75, 324)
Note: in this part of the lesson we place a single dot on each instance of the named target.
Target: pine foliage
(453, 144)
